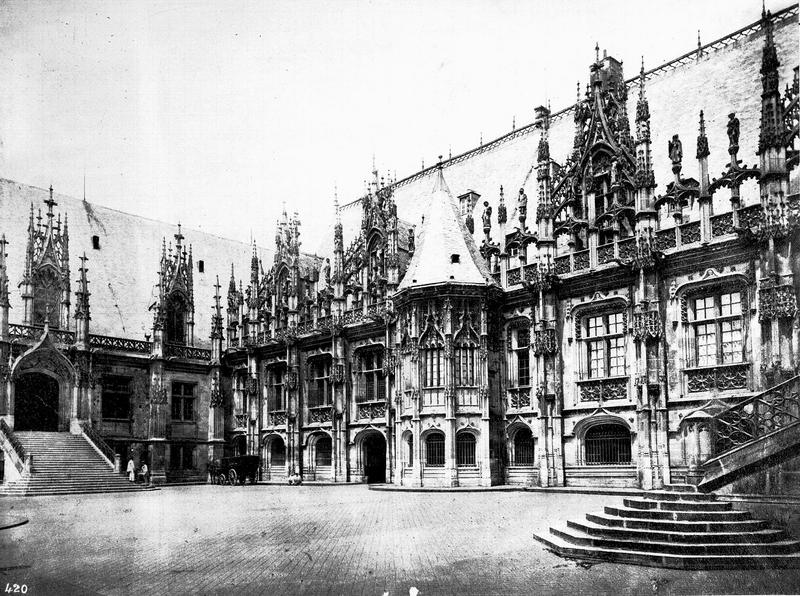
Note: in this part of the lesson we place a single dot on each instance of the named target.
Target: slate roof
(123, 272)
(445, 251)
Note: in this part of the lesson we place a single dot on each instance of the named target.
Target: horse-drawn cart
(234, 470)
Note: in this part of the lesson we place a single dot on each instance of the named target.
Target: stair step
(680, 537)
(667, 495)
(66, 464)
(649, 504)
(680, 488)
(576, 537)
(749, 525)
(673, 561)
(708, 516)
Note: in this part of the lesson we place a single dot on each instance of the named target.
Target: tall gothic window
(520, 338)
(605, 345)
(432, 358)
(183, 401)
(319, 389)
(370, 383)
(323, 453)
(276, 398)
(465, 346)
(176, 320)
(46, 297)
(717, 328)
(116, 397)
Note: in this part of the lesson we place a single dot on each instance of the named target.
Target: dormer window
(455, 258)
(201, 266)
(96, 242)
(175, 324)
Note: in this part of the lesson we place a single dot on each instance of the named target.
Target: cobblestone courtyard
(322, 539)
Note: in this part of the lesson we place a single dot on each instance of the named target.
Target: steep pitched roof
(445, 251)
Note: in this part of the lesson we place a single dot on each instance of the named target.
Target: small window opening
(201, 266)
(96, 242)
(455, 258)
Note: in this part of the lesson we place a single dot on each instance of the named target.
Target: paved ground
(322, 539)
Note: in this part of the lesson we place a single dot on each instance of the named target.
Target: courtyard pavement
(323, 540)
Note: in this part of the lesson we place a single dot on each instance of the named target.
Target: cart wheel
(233, 477)
(221, 478)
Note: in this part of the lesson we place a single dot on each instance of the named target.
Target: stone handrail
(99, 444)
(22, 460)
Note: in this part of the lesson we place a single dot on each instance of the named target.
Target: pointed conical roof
(445, 250)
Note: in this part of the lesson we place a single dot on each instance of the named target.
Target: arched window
(323, 452)
(175, 328)
(431, 345)
(409, 442)
(434, 450)
(46, 297)
(277, 450)
(523, 447)
(607, 444)
(465, 449)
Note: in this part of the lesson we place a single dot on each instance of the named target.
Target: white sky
(214, 113)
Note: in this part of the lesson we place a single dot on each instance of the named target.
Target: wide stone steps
(678, 528)
(65, 464)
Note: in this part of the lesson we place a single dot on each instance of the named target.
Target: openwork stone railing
(514, 276)
(519, 398)
(373, 410)
(320, 414)
(581, 260)
(603, 389)
(120, 344)
(561, 264)
(722, 377)
(758, 416)
(690, 233)
(722, 224)
(29, 332)
(187, 352)
(241, 420)
(665, 239)
(376, 310)
(605, 253)
(277, 418)
(19, 450)
(98, 441)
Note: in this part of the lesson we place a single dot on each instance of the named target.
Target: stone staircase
(64, 464)
(677, 528)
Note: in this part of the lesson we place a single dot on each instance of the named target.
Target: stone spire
(772, 122)
(82, 314)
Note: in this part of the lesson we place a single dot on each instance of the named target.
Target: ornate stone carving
(776, 302)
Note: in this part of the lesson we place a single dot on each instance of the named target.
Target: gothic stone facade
(581, 342)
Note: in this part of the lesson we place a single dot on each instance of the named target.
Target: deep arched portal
(374, 457)
(36, 402)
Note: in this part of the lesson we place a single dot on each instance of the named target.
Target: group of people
(143, 474)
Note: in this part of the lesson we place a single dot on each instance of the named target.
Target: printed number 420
(16, 589)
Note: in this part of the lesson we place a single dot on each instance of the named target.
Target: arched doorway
(36, 402)
(240, 445)
(374, 457)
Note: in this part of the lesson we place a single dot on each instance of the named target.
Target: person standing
(145, 474)
(131, 470)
